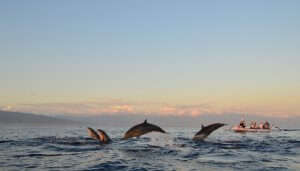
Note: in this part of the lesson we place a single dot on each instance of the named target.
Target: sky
(184, 58)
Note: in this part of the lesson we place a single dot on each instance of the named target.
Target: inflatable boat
(241, 129)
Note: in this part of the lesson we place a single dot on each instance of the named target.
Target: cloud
(118, 106)
(7, 107)
(89, 108)
(191, 110)
(122, 108)
(111, 107)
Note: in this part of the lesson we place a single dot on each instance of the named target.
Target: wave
(223, 150)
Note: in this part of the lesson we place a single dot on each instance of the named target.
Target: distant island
(18, 118)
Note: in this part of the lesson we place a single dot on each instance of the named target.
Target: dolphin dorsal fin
(145, 121)
(202, 126)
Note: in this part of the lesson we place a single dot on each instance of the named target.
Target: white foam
(159, 139)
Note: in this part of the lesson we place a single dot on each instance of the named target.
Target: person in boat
(261, 126)
(266, 125)
(242, 124)
(253, 125)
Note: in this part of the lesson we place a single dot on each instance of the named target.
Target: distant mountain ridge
(18, 118)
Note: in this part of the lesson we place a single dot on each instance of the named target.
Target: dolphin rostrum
(206, 130)
(141, 129)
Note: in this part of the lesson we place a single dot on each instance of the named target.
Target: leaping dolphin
(144, 128)
(135, 131)
(92, 133)
(141, 129)
(206, 130)
(102, 137)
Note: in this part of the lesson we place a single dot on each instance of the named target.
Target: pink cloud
(167, 109)
(90, 108)
(119, 106)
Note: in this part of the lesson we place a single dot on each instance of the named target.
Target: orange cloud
(191, 110)
(7, 108)
(121, 108)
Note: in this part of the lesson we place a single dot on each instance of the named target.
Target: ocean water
(71, 149)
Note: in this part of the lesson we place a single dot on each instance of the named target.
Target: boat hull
(239, 129)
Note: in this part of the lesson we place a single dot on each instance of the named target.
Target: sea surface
(70, 148)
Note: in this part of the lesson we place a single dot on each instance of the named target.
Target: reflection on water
(72, 149)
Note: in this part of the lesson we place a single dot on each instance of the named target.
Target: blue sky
(234, 56)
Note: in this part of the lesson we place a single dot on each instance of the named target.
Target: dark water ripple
(60, 149)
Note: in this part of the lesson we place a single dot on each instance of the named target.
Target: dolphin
(104, 138)
(206, 130)
(92, 133)
(141, 129)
